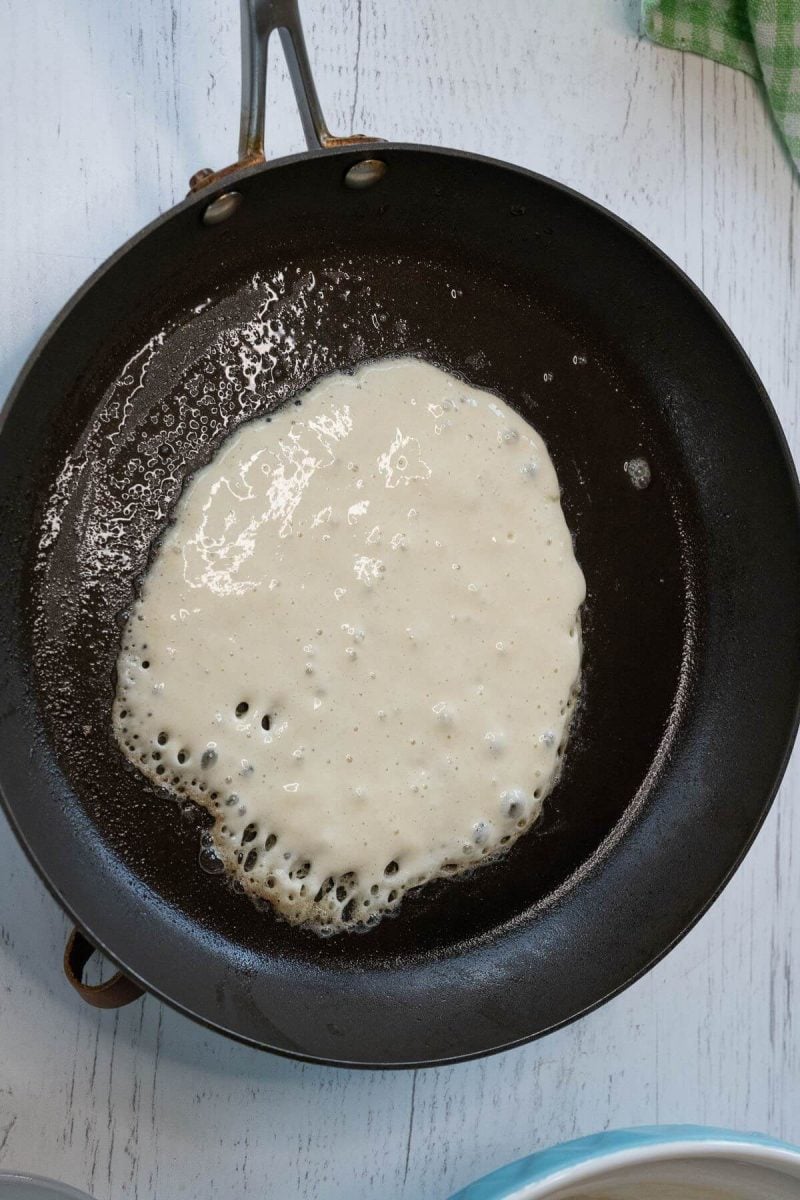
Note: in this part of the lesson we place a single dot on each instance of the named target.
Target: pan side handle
(114, 993)
(260, 19)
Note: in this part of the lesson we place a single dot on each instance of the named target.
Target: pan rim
(347, 156)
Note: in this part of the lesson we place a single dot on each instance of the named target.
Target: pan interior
(155, 406)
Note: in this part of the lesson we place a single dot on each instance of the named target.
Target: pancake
(358, 643)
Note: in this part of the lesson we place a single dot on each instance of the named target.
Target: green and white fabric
(761, 37)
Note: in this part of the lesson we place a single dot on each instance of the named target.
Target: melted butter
(358, 645)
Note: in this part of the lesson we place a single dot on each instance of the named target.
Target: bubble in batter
(358, 644)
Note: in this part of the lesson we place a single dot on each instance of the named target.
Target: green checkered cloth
(761, 37)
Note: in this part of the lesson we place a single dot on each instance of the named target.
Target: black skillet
(691, 625)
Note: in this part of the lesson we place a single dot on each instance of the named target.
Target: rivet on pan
(639, 473)
(221, 208)
(365, 173)
(199, 178)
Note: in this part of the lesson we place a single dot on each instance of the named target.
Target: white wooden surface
(106, 110)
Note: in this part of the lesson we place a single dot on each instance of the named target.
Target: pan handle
(115, 992)
(260, 18)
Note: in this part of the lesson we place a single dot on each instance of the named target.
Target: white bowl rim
(643, 1145)
(586, 1172)
(63, 1189)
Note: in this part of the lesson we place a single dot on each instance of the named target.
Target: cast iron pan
(691, 624)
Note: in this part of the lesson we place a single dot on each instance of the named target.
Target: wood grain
(107, 111)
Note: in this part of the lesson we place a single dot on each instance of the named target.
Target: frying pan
(267, 276)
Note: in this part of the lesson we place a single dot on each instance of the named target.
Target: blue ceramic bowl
(666, 1162)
